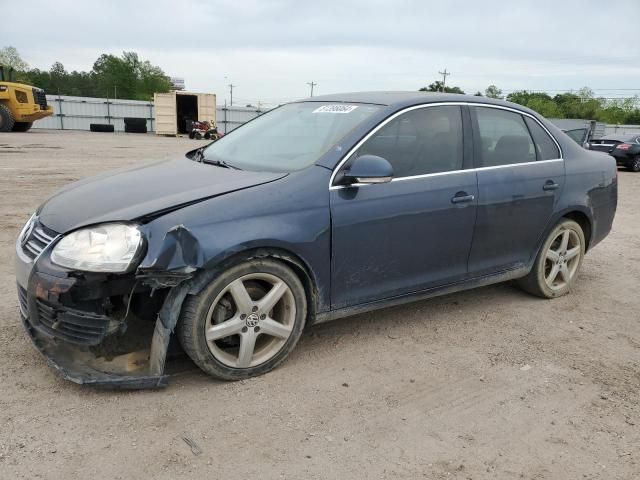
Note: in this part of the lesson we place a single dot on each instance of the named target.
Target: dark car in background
(580, 130)
(317, 210)
(624, 148)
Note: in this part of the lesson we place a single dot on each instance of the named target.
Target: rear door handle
(550, 185)
(462, 197)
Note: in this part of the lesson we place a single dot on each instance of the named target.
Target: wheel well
(581, 219)
(291, 260)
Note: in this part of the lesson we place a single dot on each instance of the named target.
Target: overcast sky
(270, 49)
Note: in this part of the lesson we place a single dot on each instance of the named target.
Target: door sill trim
(498, 277)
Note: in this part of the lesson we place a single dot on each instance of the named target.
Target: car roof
(403, 99)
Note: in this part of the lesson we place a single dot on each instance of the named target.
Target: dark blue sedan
(317, 210)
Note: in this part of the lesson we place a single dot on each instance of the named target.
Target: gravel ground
(490, 383)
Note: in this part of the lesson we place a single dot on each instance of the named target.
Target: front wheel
(6, 119)
(558, 262)
(246, 322)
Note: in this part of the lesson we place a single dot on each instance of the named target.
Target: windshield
(288, 138)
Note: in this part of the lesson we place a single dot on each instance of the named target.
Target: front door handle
(550, 185)
(462, 197)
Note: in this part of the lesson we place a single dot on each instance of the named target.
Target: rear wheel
(556, 267)
(246, 322)
(634, 165)
(22, 126)
(6, 119)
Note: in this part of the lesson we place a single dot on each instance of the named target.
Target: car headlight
(112, 247)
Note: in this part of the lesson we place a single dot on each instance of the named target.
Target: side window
(545, 146)
(504, 138)
(422, 141)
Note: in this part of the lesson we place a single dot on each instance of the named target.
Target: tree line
(129, 77)
(582, 103)
(125, 76)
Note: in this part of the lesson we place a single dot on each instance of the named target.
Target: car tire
(101, 127)
(558, 262)
(135, 128)
(6, 119)
(198, 136)
(22, 126)
(192, 134)
(246, 321)
(634, 165)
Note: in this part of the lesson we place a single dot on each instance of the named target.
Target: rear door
(414, 232)
(207, 108)
(520, 177)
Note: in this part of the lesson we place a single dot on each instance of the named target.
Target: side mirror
(368, 169)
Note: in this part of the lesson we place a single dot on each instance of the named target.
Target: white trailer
(174, 110)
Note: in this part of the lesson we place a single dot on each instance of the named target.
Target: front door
(414, 232)
(520, 177)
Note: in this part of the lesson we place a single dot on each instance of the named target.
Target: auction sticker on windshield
(335, 109)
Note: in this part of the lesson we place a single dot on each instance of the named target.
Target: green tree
(580, 104)
(493, 92)
(128, 77)
(538, 101)
(58, 78)
(9, 57)
(437, 87)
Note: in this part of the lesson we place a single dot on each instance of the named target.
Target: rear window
(546, 148)
(504, 138)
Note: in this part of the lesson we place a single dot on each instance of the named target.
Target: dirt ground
(490, 383)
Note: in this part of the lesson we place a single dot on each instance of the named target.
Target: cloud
(270, 49)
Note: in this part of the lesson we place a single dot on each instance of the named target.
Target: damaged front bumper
(96, 329)
(78, 366)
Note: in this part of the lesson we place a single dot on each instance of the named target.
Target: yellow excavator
(20, 104)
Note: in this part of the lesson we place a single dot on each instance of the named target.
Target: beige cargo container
(173, 111)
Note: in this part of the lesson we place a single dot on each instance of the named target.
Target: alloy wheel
(250, 320)
(562, 259)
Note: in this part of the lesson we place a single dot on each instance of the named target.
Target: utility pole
(312, 84)
(231, 85)
(115, 91)
(444, 74)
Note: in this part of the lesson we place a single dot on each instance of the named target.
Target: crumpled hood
(132, 193)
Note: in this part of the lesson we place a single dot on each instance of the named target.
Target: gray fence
(622, 130)
(77, 113)
(229, 118)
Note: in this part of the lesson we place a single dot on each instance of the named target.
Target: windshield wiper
(217, 163)
(198, 156)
